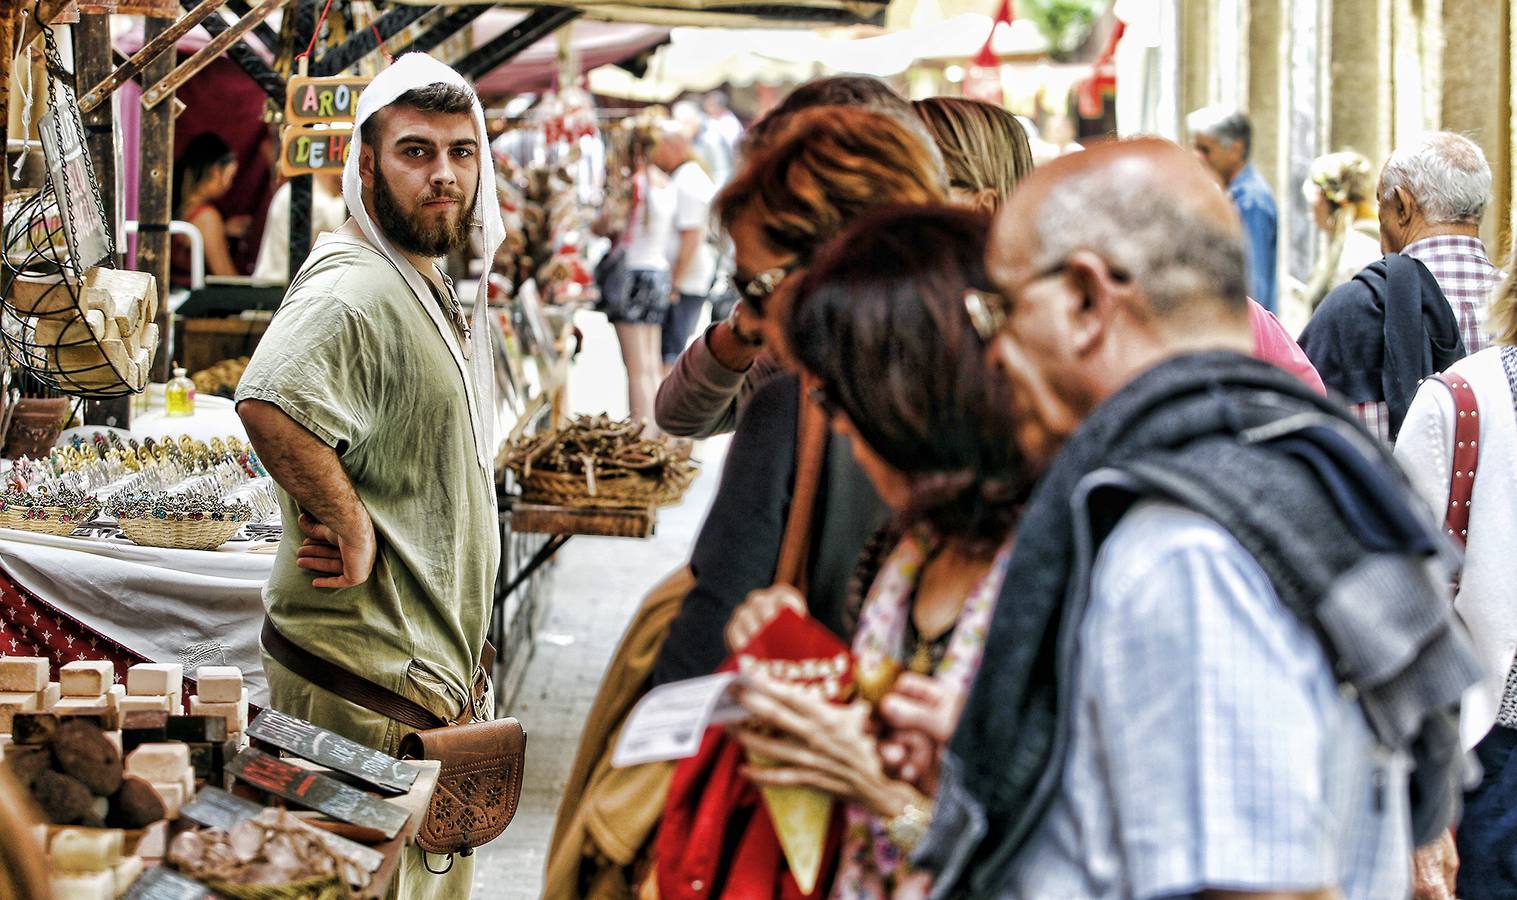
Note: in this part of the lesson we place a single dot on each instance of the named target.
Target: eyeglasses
(757, 289)
(987, 312)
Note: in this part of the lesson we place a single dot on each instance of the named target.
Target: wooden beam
(92, 61)
(47, 11)
(451, 24)
(539, 23)
(150, 51)
(165, 87)
(155, 198)
(360, 44)
(248, 60)
(9, 13)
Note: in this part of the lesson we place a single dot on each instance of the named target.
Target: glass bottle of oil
(179, 394)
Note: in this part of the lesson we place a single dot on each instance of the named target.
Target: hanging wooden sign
(330, 100)
(308, 149)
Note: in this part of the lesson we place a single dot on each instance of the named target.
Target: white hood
(415, 70)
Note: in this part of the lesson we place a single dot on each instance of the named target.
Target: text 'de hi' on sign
(312, 100)
(307, 150)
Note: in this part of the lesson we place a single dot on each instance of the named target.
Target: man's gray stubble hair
(1446, 172)
(1172, 254)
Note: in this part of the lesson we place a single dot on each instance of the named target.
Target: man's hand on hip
(344, 558)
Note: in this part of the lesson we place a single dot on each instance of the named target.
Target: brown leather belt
(357, 689)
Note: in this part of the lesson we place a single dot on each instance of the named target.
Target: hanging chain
(65, 109)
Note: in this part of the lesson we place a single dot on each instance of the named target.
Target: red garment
(716, 824)
(707, 796)
(1273, 344)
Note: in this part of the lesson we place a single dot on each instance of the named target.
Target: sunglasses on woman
(756, 290)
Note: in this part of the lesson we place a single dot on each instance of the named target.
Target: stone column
(1476, 98)
(1359, 102)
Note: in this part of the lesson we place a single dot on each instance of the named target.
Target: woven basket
(180, 534)
(324, 887)
(54, 520)
(619, 489)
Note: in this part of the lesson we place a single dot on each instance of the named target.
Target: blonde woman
(1485, 600)
(1341, 190)
(984, 146)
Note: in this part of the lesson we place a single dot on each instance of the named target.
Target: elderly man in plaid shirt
(1432, 194)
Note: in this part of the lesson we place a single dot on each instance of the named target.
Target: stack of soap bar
(88, 863)
(220, 692)
(23, 687)
(86, 684)
(153, 687)
(167, 768)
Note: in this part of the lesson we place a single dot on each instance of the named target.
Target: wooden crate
(205, 342)
(530, 518)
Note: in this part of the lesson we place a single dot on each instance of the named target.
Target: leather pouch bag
(478, 786)
(479, 783)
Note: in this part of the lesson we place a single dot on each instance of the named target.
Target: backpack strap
(1456, 520)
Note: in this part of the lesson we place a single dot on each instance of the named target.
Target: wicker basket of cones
(595, 462)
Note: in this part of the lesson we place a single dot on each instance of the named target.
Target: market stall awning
(595, 43)
(713, 13)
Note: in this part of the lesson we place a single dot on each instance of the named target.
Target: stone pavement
(598, 584)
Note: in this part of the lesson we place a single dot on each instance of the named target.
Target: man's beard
(406, 231)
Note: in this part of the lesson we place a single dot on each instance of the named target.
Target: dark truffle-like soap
(64, 800)
(87, 754)
(136, 805)
(34, 728)
(27, 762)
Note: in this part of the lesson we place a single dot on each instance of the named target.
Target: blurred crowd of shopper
(1171, 604)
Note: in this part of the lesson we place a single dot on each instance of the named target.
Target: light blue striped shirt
(1211, 747)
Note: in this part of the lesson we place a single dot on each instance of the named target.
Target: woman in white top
(1487, 594)
(639, 306)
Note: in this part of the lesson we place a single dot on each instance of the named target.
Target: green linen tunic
(354, 357)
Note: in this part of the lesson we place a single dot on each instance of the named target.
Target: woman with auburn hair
(825, 167)
(881, 331)
(1430, 447)
(712, 379)
(984, 146)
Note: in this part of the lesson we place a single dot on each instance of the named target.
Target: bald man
(1202, 678)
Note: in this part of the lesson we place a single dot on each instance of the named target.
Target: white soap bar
(126, 872)
(188, 783)
(87, 678)
(77, 703)
(24, 674)
(218, 684)
(84, 886)
(48, 697)
(144, 704)
(85, 849)
(154, 679)
(236, 714)
(116, 694)
(176, 702)
(173, 797)
(12, 703)
(163, 762)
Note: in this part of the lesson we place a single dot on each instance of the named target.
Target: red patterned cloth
(29, 626)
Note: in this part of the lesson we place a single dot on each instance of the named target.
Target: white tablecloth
(194, 607)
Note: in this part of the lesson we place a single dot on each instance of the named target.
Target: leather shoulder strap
(810, 454)
(350, 687)
(1456, 520)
